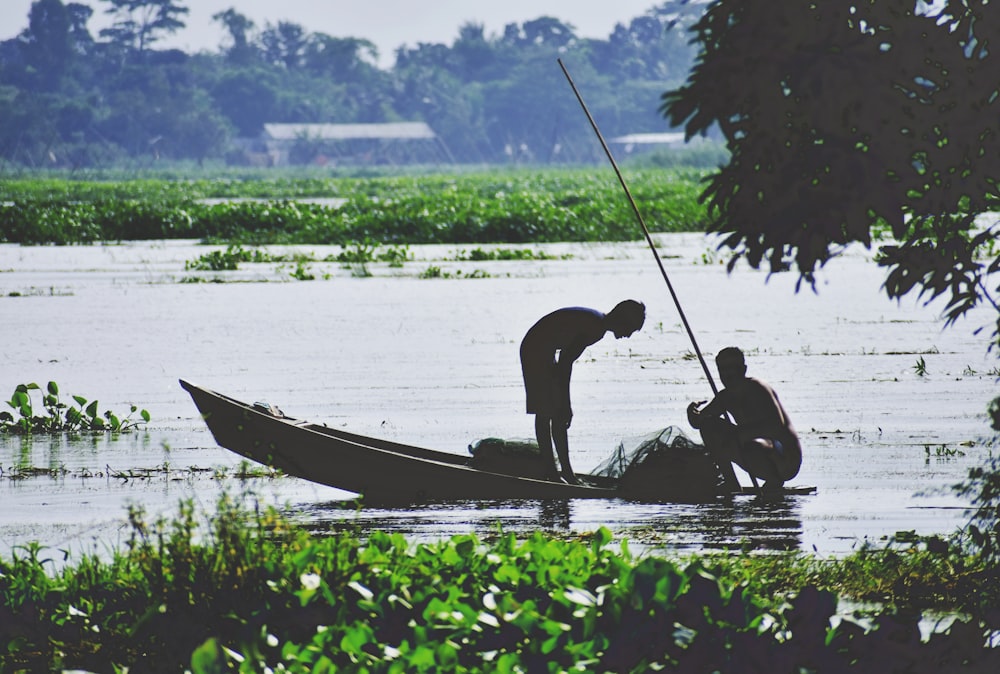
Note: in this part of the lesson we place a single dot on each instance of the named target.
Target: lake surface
(434, 362)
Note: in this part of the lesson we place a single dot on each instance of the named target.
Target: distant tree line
(72, 99)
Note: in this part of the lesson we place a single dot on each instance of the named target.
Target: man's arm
(697, 414)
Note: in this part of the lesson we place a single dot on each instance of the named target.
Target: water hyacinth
(256, 593)
(56, 416)
(490, 207)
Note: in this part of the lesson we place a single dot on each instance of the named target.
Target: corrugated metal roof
(650, 138)
(391, 130)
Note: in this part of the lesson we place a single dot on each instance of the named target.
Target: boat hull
(382, 470)
(377, 469)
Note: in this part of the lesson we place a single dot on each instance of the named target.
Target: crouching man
(763, 441)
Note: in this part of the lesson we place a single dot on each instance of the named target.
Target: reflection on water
(434, 364)
(76, 452)
(772, 523)
(554, 515)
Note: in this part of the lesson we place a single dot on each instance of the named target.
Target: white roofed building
(377, 143)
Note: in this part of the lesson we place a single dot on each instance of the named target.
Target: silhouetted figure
(763, 441)
(547, 354)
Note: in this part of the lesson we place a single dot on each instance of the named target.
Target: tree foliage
(70, 99)
(140, 23)
(849, 119)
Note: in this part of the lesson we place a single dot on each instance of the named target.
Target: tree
(55, 38)
(654, 46)
(847, 120)
(284, 44)
(426, 89)
(348, 59)
(248, 98)
(140, 23)
(241, 52)
(46, 43)
(474, 56)
(545, 30)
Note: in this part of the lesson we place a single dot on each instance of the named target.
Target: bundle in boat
(663, 465)
(510, 457)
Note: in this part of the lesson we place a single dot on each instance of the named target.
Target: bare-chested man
(547, 354)
(763, 441)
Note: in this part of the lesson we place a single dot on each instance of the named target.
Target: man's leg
(759, 458)
(723, 444)
(561, 438)
(543, 433)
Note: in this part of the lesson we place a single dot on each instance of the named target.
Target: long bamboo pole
(726, 467)
(645, 230)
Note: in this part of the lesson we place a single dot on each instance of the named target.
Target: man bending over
(548, 351)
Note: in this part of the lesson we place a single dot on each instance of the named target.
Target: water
(434, 362)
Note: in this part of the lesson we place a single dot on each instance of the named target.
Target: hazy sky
(387, 23)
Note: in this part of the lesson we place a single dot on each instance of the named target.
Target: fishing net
(670, 441)
(665, 464)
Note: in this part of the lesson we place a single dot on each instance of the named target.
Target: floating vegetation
(942, 452)
(480, 255)
(41, 292)
(358, 254)
(231, 258)
(434, 271)
(56, 416)
(302, 272)
(355, 256)
(490, 207)
(243, 471)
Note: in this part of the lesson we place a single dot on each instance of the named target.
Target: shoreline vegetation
(243, 588)
(494, 206)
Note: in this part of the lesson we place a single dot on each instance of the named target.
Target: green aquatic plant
(356, 255)
(55, 416)
(395, 255)
(358, 252)
(920, 368)
(245, 589)
(302, 272)
(480, 255)
(218, 260)
(230, 258)
(982, 534)
(497, 206)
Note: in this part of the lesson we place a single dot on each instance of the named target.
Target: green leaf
(145, 415)
(91, 409)
(80, 400)
(208, 658)
(53, 388)
(21, 402)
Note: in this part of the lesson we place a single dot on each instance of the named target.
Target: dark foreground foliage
(253, 592)
(845, 121)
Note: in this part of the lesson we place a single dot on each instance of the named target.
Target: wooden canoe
(380, 470)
